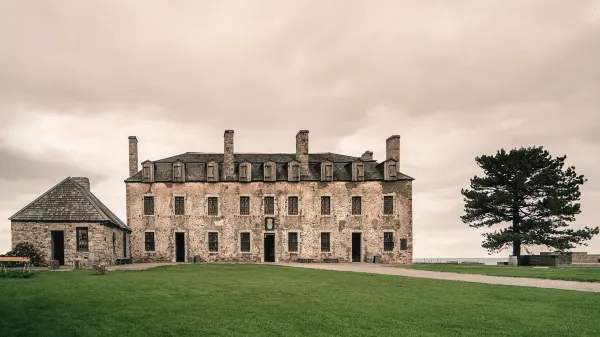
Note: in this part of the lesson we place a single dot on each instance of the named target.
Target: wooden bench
(124, 261)
(26, 267)
(304, 260)
(330, 260)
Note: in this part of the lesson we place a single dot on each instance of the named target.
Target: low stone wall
(584, 257)
(545, 260)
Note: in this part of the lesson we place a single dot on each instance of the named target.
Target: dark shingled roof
(68, 202)
(342, 166)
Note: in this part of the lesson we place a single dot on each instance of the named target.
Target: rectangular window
(392, 170)
(403, 244)
(179, 205)
(210, 171)
(82, 239)
(213, 242)
(293, 242)
(149, 241)
(213, 206)
(268, 172)
(356, 206)
(245, 242)
(325, 205)
(388, 205)
(292, 205)
(244, 205)
(295, 172)
(388, 241)
(177, 172)
(243, 171)
(114, 243)
(148, 205)
(325, 243)
(269, 205)
(328, 171)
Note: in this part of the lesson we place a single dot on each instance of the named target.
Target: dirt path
(390, 270)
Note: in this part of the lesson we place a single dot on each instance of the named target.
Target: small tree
(25, 249)
(528, 192)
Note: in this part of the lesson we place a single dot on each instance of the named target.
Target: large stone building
(270, 207)
(68, 222)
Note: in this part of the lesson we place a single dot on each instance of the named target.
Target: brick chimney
(83, 181)
(133, 155)
(367, 156)
(228, 167)
(302, 151)
(392, 148)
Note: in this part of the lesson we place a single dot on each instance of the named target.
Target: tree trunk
(516, 248)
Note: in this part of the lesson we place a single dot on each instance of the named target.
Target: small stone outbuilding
(68, 222)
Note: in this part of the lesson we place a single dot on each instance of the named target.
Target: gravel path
(390, 270)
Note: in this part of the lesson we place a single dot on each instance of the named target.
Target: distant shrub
(26, 249)
(16, 274)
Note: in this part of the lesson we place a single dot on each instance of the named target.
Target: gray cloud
(455, 80)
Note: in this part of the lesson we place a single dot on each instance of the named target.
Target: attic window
(326, 171)
(245, 172)
(391, 171)
(269, 171)
(178, 172)
(294, 171)
(212, 172)
(147, 172)
(358, 171)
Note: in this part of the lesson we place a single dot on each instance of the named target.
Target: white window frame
(330, 242)
(275, 203)
(330, 206)
(144, 205)
(240, 204)
(218, 205)
(218, 242)
(184, 205)
(394, 210)
(287, 238)
(240, 241)
(362, 209)
(147, 251)
(287, 206)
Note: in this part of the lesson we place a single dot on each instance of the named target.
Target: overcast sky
(456, 79)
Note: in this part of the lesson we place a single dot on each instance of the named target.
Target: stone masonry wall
(309, 223)
(99, 236)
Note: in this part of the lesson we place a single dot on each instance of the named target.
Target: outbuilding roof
(68, 201)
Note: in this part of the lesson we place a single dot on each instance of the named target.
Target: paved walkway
(141, 266)
(391, 270)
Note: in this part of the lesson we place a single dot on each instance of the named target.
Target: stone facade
(372, 185)
(308, 223)
(100, 245)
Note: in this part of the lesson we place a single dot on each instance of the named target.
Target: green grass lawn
(569, 274)
(259, 300)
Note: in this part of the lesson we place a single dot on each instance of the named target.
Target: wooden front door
(356, 247)
(179, 247)
(58, 246)
(269, 247)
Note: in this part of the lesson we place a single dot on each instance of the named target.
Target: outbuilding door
(58, 246)
(269, 247)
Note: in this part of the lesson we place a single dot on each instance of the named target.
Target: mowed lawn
(260, 300)
(582, 274)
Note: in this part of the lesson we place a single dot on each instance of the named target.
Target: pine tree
(527, 192)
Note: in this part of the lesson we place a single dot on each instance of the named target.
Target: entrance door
(356, 247)
(270, 247)
(58, 246)
(180, 247)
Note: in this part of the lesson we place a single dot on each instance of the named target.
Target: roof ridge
(38, 198)
(85, 192)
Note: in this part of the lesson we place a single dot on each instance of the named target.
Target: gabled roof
(68, 201)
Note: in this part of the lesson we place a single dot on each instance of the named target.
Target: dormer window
(293, 171)
(326, 171)
(358, 171)
(212, 171)
(269, 171)
(245, 172)
(147, 172)
(391, 170)
(178, 172)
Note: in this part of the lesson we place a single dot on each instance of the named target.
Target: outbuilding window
(388, 241)
(245, 242)
(213, 242)
(325, 242)
(293, 242)
(149, 241)
(82, 238)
